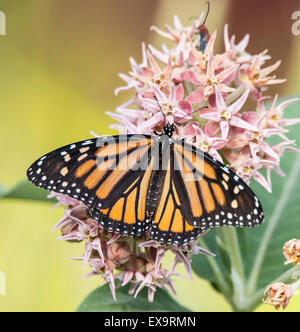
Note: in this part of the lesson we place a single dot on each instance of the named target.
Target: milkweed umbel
(135, 184)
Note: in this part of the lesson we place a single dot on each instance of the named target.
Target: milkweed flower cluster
(279, 293)
(173, 85)
(181, 79)
(291, 251)
(121, 260)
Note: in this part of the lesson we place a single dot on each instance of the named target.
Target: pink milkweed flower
(199, 137)
(173, 106)
(112, 256)
(182, 254)
(291, 251)
(279, 295)
(177, 56)
(256, 139)
(213, 77)
(175, 34)
(237, 51)
(248, 167)
(226, 115)
(137, 71)
(155, 74)
(274, 115)
(279, 149)
(254, 77)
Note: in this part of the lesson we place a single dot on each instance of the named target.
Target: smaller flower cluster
(134, 261)
(291, 251)
(181, 80)
(279, 294)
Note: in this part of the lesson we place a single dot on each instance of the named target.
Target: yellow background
(58, 68)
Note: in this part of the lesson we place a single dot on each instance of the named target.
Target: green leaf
(27, 191)
(101, 300)
(261, 247)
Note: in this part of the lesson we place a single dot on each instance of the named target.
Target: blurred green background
(59, 65)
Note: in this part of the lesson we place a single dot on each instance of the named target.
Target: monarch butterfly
(135, 183)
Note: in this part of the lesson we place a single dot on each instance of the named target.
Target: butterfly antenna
(165, 117)
(207, 13)
(199, 109)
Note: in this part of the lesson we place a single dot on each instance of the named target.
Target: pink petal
(215, 116)
(226, 38)
(179, 92)
(211, 128)
(196, 97)
(221, 106)
(192, 59)
(192, 129)
(224, 129)
(172, 96)
(127, 277)
(236, 106)
(251, 117)
(153, 63)
(210, 45)
(289, 122)
(186, 106)
(192, 76)
(261, 180)
(161, 97)
(237, 122)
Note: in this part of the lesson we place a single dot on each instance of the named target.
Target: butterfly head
(168, 129)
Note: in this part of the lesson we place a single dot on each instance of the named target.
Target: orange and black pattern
(132, 184)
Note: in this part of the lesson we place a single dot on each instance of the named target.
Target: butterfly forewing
(109, 175)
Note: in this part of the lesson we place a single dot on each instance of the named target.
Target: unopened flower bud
(119, 252)
(137, 264)
(81, 213)
(69, 229)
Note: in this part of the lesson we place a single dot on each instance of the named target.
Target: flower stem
(222, 284)
(229, 242)
(286, 193)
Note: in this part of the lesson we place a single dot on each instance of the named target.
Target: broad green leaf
(101, 300)
(27, 191)
(261, 247)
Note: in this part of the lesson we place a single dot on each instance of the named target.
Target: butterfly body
(132, 184)
(204, 38)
